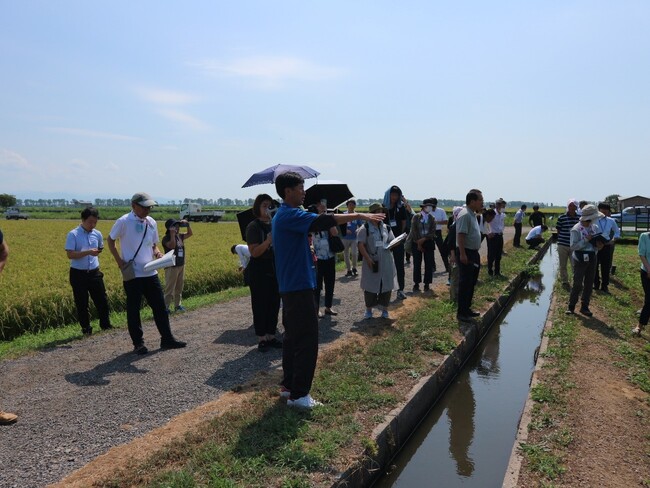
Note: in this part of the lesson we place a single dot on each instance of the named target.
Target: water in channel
(467, 437)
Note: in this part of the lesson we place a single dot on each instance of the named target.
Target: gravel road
(77, 400)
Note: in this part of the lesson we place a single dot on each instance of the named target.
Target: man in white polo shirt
(138, 236)
(495, 238)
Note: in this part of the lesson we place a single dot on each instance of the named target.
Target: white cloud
(184, 118)
(270, 71)
(166, 97)
(112, 168)
(92, 133)
(12, 161)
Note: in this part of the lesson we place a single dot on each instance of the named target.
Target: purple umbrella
(269, 175)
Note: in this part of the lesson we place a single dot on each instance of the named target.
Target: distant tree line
(7, 200)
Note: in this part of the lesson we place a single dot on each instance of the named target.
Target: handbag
(128, 270)
(336, 244)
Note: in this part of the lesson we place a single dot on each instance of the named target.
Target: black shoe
(586, 311)
(569, 311)
(349, 273)
(416, 287)
(275, 343)
(462, 317)
(426, 287)
(110, 327)
(596, 286)
(140, 350)
(354, 271)
(263, 346)
(490, 272)
(605, 290)
(87, 332)
(172, 344)
(472, 313)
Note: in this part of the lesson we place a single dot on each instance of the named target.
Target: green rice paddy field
(34, 288)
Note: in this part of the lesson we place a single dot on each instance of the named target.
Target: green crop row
(34, 289)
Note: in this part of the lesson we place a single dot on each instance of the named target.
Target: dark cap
(143, 199)
(170, 223)
(429, 201)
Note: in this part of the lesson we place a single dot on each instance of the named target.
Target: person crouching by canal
(138, 236)
(173, 240)
(585, 243)
(378, 273)
(534, 237)
(265, 295)
(83, 246)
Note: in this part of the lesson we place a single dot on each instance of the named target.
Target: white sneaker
(306, 402)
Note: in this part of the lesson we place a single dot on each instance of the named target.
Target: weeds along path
(78, 400)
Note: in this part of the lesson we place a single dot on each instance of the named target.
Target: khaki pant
(174, 279)
(564, 253)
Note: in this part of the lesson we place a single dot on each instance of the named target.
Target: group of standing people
(137, 234)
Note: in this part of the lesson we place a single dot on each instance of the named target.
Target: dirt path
(608, 445)
(78, 400)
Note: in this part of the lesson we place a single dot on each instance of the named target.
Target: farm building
(635, 201)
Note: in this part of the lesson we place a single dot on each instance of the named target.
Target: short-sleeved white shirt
(440, 215)
(129, 229)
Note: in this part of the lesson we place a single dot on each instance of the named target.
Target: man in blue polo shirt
(297, 281)
(83, 246)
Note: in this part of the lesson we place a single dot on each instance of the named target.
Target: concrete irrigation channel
(458, 425)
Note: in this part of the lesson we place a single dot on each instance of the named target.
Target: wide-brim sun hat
(590, 213)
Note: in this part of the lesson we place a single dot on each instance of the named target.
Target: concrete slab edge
(401, 422)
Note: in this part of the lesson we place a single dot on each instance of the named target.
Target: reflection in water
(483, 404)
(461, 427)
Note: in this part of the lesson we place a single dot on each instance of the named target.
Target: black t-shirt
(179, 249)
(536, 218)
(397, 216)
(256, 233)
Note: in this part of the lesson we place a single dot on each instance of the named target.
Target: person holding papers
(138, 236)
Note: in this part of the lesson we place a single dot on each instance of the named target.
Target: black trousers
(645, 311)
(517, 239)
(325, 272)
(265, 296)
(467, 278)
(429, 267)
(444, 253)
(398, 257)
(300, 343)
(150, 289)
(495, 251)
(534, 242)
(603, 266)
(85, 283)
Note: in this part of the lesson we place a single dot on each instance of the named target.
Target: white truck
(193, 212)
(14, 213)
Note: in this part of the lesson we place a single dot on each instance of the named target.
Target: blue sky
(535, 101)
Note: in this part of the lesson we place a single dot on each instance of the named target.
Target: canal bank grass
(551, 432)
(261, 442)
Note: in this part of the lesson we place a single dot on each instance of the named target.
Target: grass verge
(34, 341)
(550, 435)
(263, 443)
